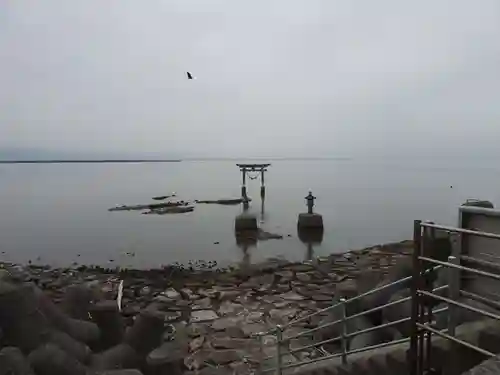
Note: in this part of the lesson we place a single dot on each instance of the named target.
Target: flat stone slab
(203, 316)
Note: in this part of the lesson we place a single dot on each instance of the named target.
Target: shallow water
(58, 213)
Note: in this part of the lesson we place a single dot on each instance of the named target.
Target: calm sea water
(58, 213)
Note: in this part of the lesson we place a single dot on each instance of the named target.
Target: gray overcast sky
(274, 77)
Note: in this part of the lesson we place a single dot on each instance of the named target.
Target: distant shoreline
(87, 161)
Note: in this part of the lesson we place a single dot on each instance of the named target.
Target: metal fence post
(279, 358)
(453, 293)
(262, 355)
(343, 338)
(417, 242)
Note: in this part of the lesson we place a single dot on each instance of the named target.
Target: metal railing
(423, 312)
(283, 343)
(422, 316)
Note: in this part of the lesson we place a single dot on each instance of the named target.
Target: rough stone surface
(206, 321)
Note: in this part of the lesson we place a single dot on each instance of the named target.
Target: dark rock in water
(163, 197)
(169, 210)
(152, 206)
(13, 362)
(49, 359)
(224, 201)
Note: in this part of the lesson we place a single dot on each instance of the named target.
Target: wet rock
(196, 329)
(172, 316)
(291, 296)
(196, 344)
(240, 368)
(322, 297)
(285, 275)
(282, 316)
(172, 294)
(202, 304)
(234, 332)
(250, 329)
(347, 289)
(227, 308)
(222, 357)
(188, 294)
(303, 277)
(228, 295)
(167, 359)
(196, 360)
(203, 315)
(223, 342)
(227, 322)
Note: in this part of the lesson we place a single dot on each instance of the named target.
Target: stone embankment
(67, 321)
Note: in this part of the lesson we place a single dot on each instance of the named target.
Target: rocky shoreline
(210, 317)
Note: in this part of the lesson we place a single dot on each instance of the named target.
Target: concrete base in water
(244, 222)
(310, 221)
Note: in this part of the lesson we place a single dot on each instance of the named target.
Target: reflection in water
(245, 240)
(262, 209)
(310, 237)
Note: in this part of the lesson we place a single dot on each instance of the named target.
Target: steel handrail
(459, 304)
(463, 268)
(326, 309)
(471, 232)
(422, 332)
(352, 299)
(455, 340)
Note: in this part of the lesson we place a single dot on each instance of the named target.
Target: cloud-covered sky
(273, 77)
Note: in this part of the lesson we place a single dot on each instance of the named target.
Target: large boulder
(23, 325)
(13, 362)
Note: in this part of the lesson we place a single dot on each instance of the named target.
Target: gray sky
(274, 77)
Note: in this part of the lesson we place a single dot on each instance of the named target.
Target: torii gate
(258, 168)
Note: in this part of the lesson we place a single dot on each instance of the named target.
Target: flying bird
(189, 75)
